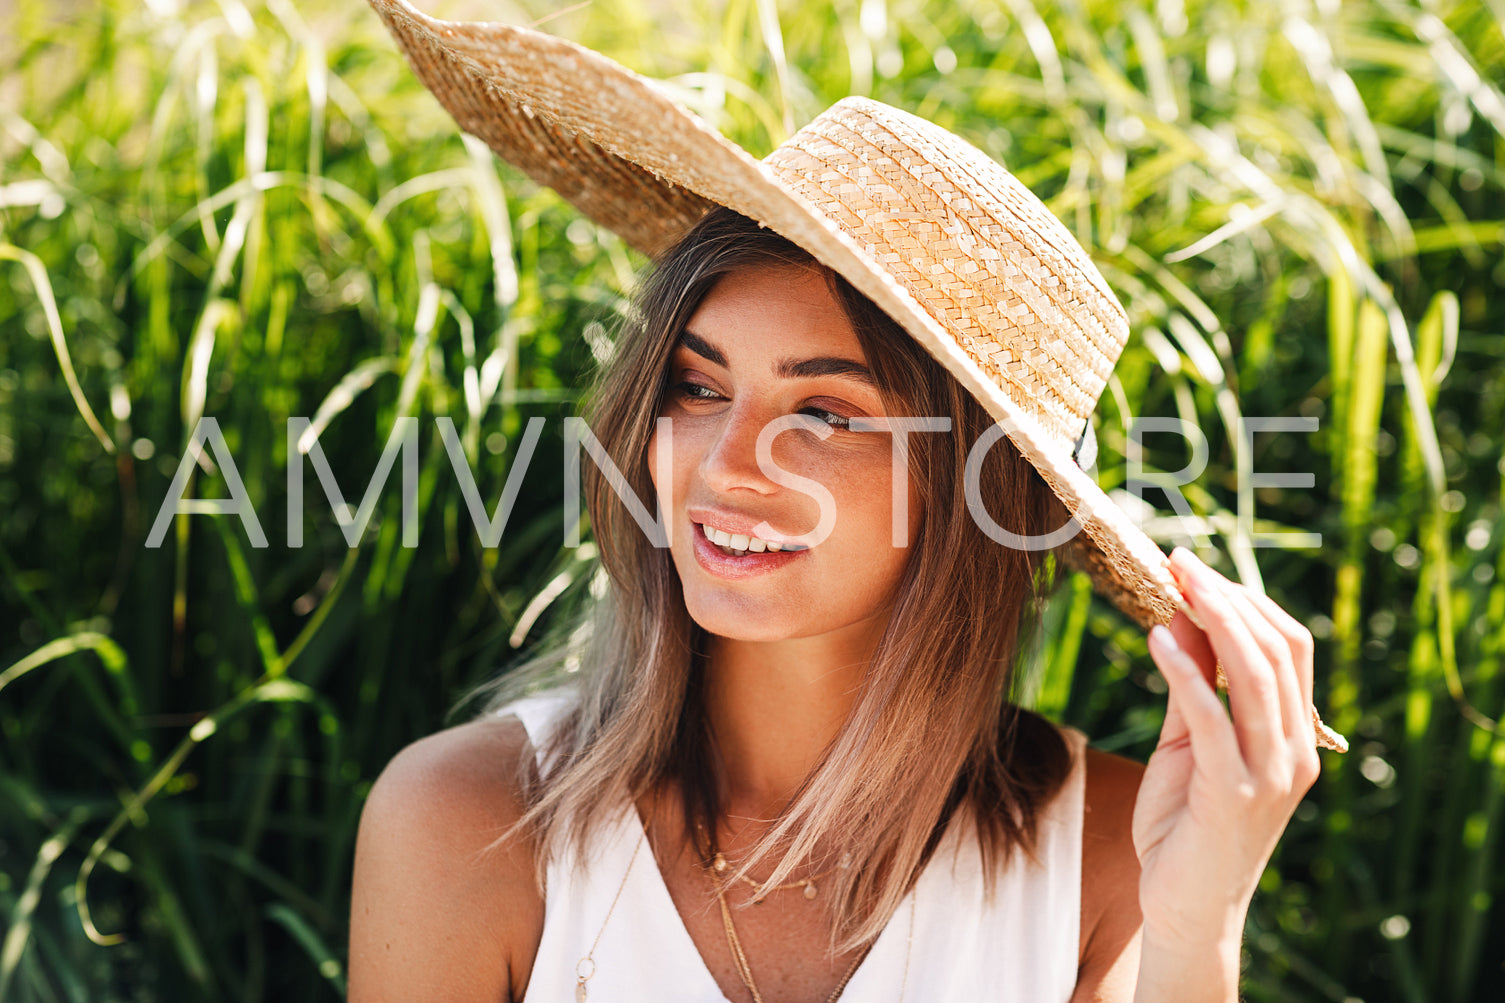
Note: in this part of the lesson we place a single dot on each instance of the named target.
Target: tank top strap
(539, 715)
(608, 904)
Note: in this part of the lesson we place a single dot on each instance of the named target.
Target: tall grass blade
(18, 927)
(37, 272)
(308, 938)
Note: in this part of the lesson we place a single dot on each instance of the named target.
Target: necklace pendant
(718, 864)
(810, 890)
(580, 991)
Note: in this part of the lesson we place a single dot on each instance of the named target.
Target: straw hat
(937, 234)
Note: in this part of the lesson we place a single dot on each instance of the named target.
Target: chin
(742, 621)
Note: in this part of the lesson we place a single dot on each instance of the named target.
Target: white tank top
(945, 942)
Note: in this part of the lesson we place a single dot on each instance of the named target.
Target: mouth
(742, 544)
(737, 556)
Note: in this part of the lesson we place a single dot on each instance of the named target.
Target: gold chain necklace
(719, 864)
(739, 957)
(718, 867)
(585, 968)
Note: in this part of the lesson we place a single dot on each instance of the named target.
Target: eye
(829, 417)
(694, 391)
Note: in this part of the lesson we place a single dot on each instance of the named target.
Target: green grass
(252, 213)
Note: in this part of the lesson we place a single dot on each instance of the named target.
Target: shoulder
(1112, 785)
(1110, 918)
(442, 906)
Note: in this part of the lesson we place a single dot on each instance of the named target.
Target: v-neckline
(658, 888)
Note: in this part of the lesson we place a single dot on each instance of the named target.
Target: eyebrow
(789, 369)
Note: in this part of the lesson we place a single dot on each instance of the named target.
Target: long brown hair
(932, 733)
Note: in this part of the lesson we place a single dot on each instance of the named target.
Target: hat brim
(634, 160)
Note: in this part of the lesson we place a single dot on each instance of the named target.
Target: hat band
(1085, 450)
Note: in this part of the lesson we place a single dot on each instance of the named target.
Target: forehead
(775, 310)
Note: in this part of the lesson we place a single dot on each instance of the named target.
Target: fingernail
(1198, 574)
(1162, 640)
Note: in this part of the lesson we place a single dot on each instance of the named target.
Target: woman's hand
(1217, 793)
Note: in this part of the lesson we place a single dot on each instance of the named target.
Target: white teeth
(743, 542)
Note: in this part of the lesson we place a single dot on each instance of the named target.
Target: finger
(1301, 715)
(1299, 639)
(1173, 730)
(1275, 648)
(1214, 745)
(1252, 687)
(1191, 639)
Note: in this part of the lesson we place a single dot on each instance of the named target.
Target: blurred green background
(251, 212)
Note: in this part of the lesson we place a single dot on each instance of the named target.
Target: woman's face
(767, 343)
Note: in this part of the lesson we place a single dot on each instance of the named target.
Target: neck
(775, 707)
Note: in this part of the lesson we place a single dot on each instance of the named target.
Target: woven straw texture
(937, 234)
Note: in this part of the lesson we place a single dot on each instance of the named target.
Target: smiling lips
(741, 544)
(754, 556)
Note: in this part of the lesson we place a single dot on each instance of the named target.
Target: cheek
(664, 474)
(913, 515)
(682, 450)
(864, 488)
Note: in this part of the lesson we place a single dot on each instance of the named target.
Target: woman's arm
(1108, 952)
(436, 913)
(1220, 788)
(1163, 913)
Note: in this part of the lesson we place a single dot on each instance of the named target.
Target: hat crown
(974, 247)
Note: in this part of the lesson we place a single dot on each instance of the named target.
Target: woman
(787, 768)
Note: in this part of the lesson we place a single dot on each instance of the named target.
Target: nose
(730, 461)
